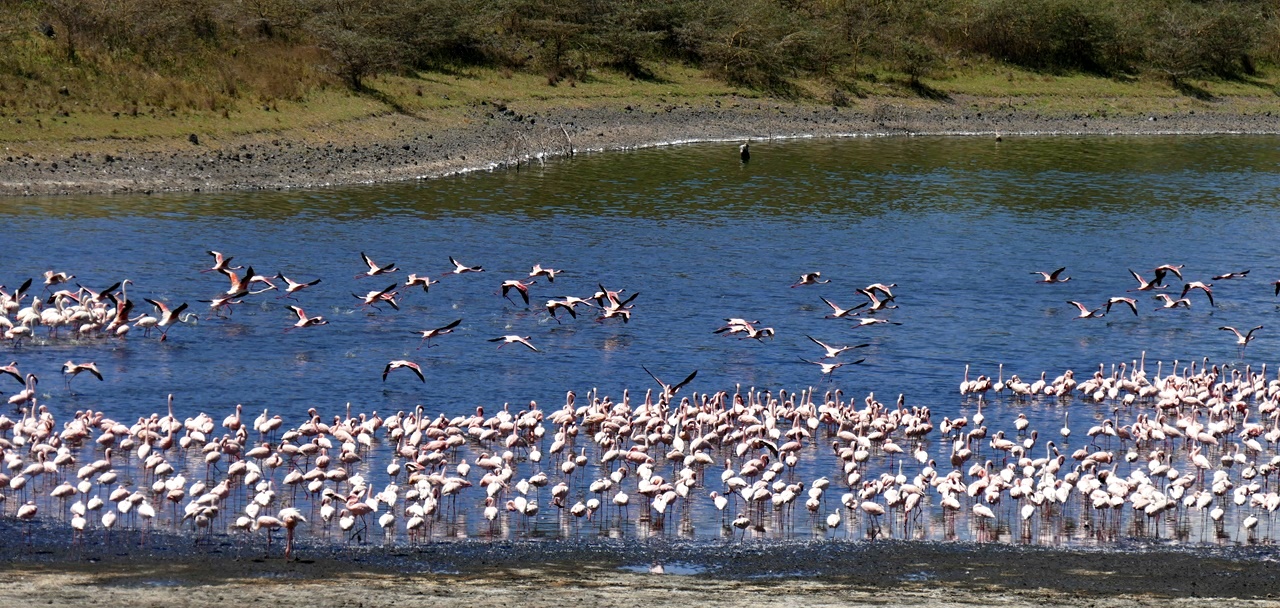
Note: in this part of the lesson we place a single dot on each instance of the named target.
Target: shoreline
(172, 572)
(403, 148)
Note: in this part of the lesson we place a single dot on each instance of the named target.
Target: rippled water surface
(957, 224)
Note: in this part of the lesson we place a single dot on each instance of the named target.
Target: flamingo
(1143, 284)
(1164, 269)
(71, 370)
(518, 285)
(611, 307)
(167, 317)
(1230, 275)
(1205, 287)
(290, 518)
(402, 364)
(460, 268)
(514, 339)
(539, 271)
(1242, 340)
(837, 312)
(424, 281)
(1085, 313)
(291, 287)
(220, 262)
(1130, 302)
(1172, 303)
(832, 351)
(304, 320)
(669, 390)
(28, 394)
(553, 306)
(52, 278)
(865, 321)
(827, 368)
(428, 334)
(1052, 277)
(372, 298)
(811, 278)
(12, 370)
(374, 269)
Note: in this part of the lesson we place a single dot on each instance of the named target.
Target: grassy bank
(140, 72)
(454, 99)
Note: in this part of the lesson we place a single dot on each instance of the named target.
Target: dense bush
(764, 44)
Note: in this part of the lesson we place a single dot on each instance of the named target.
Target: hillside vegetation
(218, 59)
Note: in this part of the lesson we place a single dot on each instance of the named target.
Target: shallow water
(958, 224)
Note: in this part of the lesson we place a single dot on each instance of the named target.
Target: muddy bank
(171, 570)
(398, 147)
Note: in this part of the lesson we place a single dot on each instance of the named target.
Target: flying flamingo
(833, 351)
(428, 334)
(460, 268)
(1052, 277)
(876, 304)
(220, 263)
(372, 298)
(1085, 313)
(539, 271)
(424, 281)
(827, 368)
(52, 278)
(402, 364)
(1162, 270)
(1130, 302)
(1230, 275)
(518, 285)
(374, 269)
(1242, 340)
(553, 306)
(811, 278)
(304, 320)
(1143, 284)
(865, 321)
(12, 370)
(668, 390)
(882, 288)
(837, 312)
(167, 317)
(1172, 303)
(1205, 287)
(514, 339)
(71, 370)
(291, 287)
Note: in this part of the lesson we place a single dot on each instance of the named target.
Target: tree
(362, 37)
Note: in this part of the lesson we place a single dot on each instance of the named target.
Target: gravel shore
(397, 147)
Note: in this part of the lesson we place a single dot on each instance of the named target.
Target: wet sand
(397, 147)
(241, 570)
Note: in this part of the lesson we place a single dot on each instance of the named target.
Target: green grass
(97, 114)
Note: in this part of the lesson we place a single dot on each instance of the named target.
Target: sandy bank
(397, 147)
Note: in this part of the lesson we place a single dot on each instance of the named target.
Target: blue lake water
(958, 224)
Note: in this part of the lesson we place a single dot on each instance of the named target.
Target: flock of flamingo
(1184, 453)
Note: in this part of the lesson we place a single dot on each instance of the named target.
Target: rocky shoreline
(398, 147)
